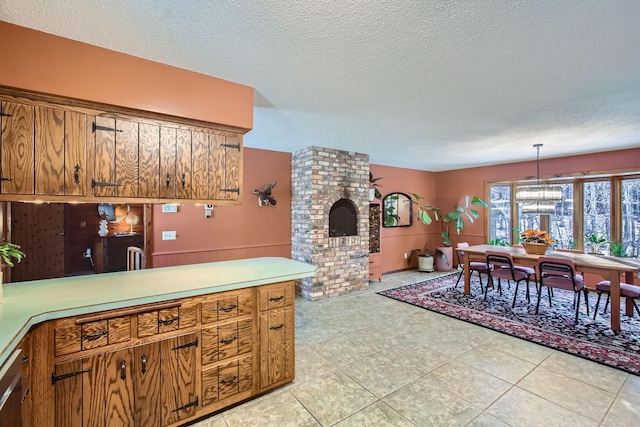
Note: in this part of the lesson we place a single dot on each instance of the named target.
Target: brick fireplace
(322, 179)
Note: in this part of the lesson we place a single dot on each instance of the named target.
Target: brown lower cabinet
(107, 371)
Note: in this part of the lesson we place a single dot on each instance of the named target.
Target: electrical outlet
(168, 235)
(406, 255)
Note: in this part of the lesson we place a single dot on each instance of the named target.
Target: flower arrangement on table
(535, 242)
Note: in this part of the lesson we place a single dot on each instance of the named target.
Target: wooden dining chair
(136, 259)
(561, 273)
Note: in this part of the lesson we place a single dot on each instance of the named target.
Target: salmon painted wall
(241, 231)
(453, 185)
(49, 64)
(395, 241)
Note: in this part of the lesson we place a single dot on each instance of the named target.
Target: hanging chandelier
(539, 198)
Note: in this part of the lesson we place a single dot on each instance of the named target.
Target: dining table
(605, 267)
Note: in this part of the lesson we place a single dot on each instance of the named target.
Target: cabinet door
(179, 394)
(49, 151)
(116, 158)
(127, 158)
(76, 129)
(68, 394)
(168, 182)
(118, 388)
(200, 165)
(146, 371)
(276, 347)
(17, 148)
(149, 161)
(224, 166)
(184, 169)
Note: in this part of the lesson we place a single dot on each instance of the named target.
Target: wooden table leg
(614, 277)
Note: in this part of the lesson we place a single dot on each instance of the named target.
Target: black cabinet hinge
(96, 127)
(6, 115)
(187, 406)
(231, 190)
(189, 344)
(236, 146)
(55, 378)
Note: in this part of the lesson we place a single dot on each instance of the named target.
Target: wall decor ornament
(264, 196)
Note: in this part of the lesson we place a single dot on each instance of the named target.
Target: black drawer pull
(168, 321)
(275, 328)
(231, 381)
(274, 299)
(92, 337)
(188, 405)
(228, 341)
(228, 308)
(55, 378)
(168, 179)
(123, 370)
(184, 180)
(189, 344)
(76, 174)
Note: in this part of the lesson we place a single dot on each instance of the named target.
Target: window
(596, 220)
(500, 213)
(630, 217)
(597, 214)
(561, 224)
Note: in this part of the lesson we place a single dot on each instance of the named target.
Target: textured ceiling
(430, 85)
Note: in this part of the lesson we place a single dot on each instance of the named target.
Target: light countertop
(25, 304)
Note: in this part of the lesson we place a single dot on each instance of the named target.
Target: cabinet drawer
(226, 380)
(158, 321)
(374, 260)
(227, 340)
(71, 337)
(226, 306)
(167, 319)
(276, 296)
(375, 273)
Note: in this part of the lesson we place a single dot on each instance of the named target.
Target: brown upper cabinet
(82, 153)
(43, 150)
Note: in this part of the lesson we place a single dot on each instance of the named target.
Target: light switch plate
(167, 208)
(168, 235)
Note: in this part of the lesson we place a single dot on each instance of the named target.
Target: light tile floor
(366, 360)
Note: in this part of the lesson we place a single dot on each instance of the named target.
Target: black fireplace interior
(343, 219)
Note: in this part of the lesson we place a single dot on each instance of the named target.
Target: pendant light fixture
(540, 198)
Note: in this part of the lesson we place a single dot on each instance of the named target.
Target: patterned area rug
(553, 327)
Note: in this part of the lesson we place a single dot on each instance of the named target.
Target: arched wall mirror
(397, 210)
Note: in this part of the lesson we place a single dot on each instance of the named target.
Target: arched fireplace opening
(343, 219)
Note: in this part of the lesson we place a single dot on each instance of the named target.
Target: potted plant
(374, 193)
(617, 249)
(596, 241)
(535, 242)
(427, 214)
(425, 258)
(7, 252)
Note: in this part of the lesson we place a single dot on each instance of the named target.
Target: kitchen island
(218, 332)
